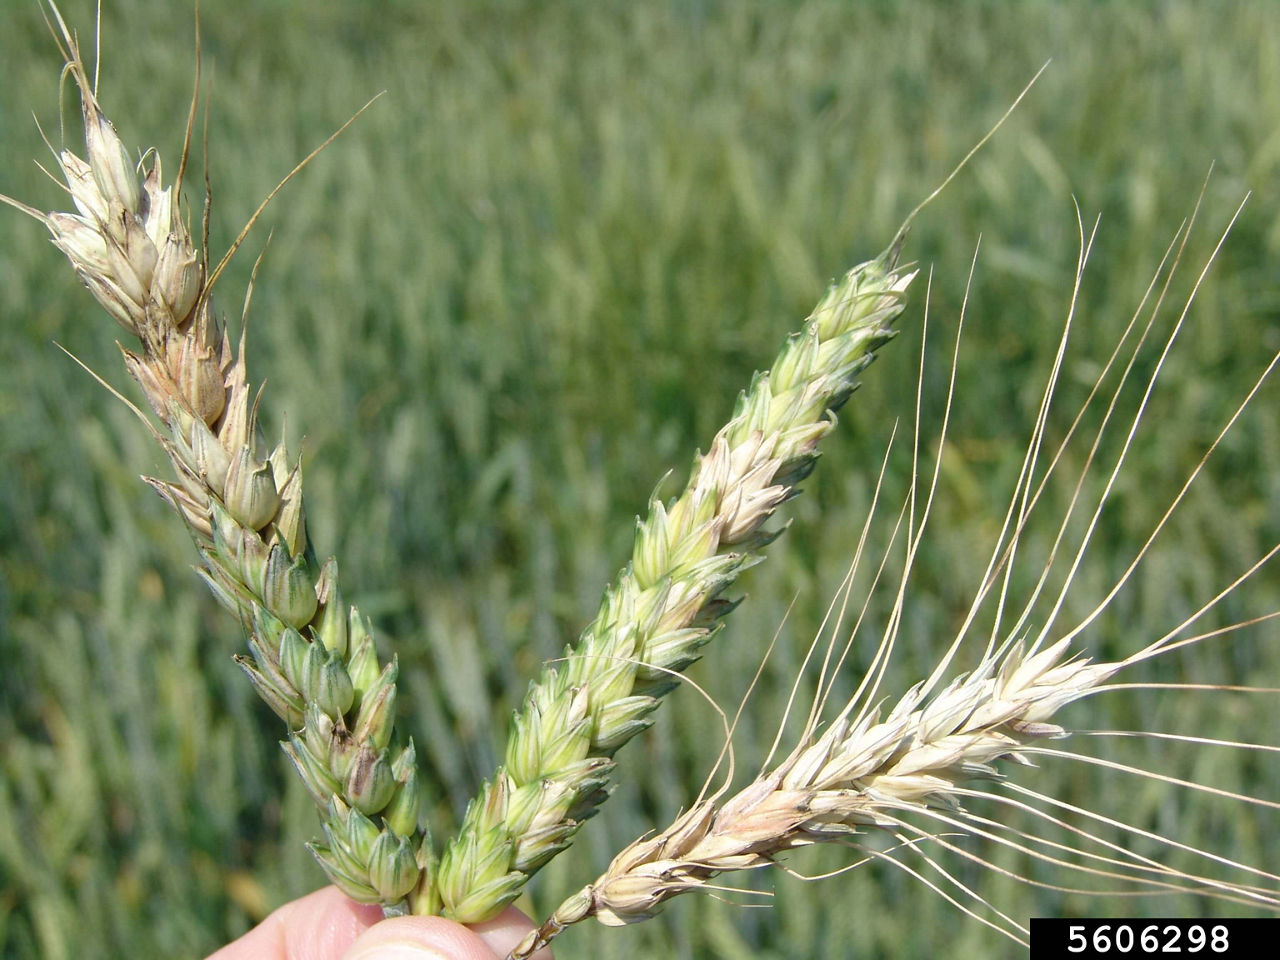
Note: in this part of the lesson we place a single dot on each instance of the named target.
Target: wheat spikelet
(312, 658)
(868, 773)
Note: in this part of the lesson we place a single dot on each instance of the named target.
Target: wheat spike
(312, 658)
(667, 603)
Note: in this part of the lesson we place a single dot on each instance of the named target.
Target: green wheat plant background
(529, 282)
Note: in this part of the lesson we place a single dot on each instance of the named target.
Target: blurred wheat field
(525, 285)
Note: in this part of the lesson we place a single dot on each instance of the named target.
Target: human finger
(319, 926)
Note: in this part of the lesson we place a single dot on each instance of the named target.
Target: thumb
(435, 938)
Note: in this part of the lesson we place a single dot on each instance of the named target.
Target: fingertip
(435, 938)
(419, 938)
